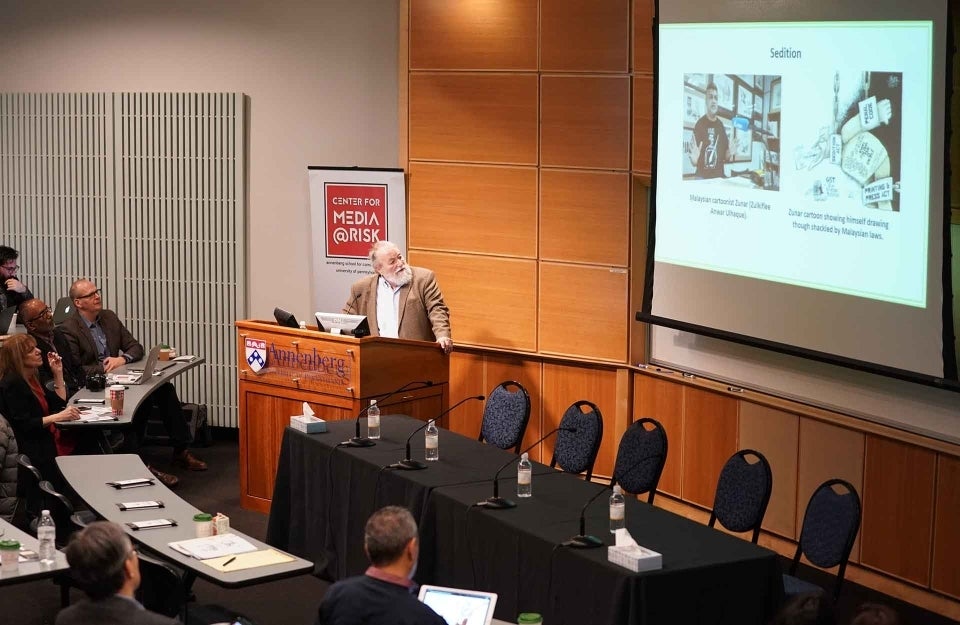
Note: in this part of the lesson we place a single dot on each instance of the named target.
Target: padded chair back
(162, 586)
(505, 416)
(28, 489)
(68, 521)
(575, 452)
(743, 492)
(640, 458)
(830, 525)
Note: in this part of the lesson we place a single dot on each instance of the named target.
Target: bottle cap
(525, 456)
(9, 545)
(44, 512)
(203, 517)
(617, 490)
(373, 402)
(529, 618)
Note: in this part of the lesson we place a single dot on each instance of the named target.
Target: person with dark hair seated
(104, 565)
(875, 614)
(12, 291)
(806, 609)
(385, 594)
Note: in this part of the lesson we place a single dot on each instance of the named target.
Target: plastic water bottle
(373, 420)
(524, 477)
(47, 535)
(432, 442)
(618, 518)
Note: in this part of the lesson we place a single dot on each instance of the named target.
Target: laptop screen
(458, 606)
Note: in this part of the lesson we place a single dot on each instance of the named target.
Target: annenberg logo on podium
(356, 218)
(256, 353)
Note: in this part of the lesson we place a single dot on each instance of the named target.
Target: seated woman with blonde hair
(32, 409)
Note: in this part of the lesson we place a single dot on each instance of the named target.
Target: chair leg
(64, 593)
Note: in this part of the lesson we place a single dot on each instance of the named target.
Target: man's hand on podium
(446, 344)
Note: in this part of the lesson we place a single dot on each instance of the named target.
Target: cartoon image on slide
(855, 157)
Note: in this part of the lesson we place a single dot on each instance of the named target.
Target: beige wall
(321, 79)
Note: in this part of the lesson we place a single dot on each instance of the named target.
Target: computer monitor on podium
(336, 323)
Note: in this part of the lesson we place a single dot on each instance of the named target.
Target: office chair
(743, 492)
(640, 458)
(505, 416)
(576, 452)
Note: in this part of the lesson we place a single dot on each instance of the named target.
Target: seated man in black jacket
(94, 340)
(385, 594)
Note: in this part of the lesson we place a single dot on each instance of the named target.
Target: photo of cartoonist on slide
(854, 160)
(731, 130)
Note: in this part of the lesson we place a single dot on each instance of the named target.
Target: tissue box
(308, 424)
(635, 558)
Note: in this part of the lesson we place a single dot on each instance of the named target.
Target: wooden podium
(280, 368)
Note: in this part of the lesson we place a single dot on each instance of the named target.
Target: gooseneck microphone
(363, 441)
(497, 502)
(407, 464)
(584, 540)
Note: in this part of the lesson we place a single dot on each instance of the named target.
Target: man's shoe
(165, 478)
(188, 461)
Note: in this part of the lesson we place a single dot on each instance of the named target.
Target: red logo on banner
(356, 218)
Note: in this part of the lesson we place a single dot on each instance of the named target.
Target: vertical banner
(351, 208)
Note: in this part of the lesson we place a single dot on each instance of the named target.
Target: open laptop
(8, 320)
(151, 364)
(458, 605)
(62, 310)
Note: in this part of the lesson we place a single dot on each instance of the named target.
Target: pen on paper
(229, 561)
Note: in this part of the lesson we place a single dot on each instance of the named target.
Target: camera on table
(96, 382)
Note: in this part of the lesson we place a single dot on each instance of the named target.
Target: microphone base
(358, 441)
(410, 465)
(584, 542)
(497, 503)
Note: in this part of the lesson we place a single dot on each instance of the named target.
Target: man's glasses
(10, 267)
(43, 313)
(90, 294)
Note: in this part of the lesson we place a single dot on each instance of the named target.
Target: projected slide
(800, 154)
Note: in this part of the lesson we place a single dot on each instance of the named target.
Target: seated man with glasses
(93, 340)
(104, 564)
(37, 317)
(12, 291)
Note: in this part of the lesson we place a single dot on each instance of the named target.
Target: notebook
(458, 606)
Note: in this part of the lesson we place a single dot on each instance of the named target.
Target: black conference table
(324, 494)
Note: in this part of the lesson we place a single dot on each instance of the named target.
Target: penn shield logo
(256, 353)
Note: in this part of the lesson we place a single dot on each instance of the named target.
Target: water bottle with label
(47, 535)
(525, 477)
(618, 518)
(432, 442)
(373, 420)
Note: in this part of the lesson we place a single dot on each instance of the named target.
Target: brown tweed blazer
(423, 316)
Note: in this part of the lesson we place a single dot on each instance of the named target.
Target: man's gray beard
(404, 277)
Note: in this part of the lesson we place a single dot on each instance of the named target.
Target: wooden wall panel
(642, 124)
(466, 379)
(709, 439)
(492, 301)
(775, 434)
(563, 385)
(639, 220)
(473, 34)
(582, 311)
(643, 36)
(585, 35)
(827, 451)
(946, 538)
(898, 489)
(585, 122)
(663, 400)
(481, 118)
(578, 207)
(450, 204)
(527, 373)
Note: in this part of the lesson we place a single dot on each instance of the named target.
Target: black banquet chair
(505, 416)
(575, 452)
(830, 525)
(640, 458)
(743, 492)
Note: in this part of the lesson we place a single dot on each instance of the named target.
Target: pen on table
(229, 561)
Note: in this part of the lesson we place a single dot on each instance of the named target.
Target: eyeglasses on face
(10, 267)
(90, 294)
(43, 313)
